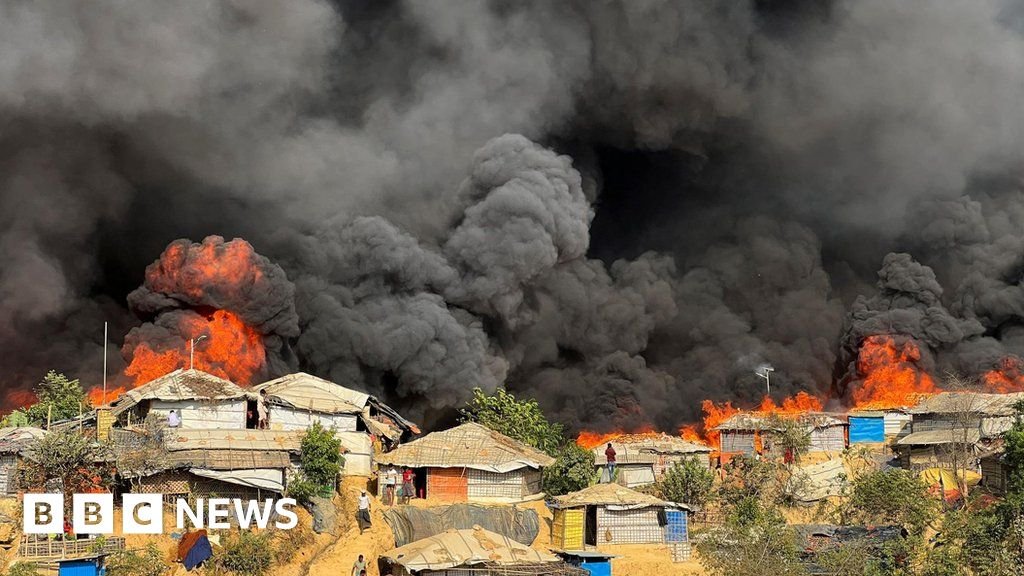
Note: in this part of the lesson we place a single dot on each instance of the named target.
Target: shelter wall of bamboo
(204, 414)
(288, 418)
(639, 526)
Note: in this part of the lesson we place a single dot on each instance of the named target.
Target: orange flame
(715, 414)
(891, 375)
(1006, 378)
(97, 398)
(198, 270)
(591, 440)
(230, 350)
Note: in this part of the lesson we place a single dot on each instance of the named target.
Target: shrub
(303, 489)
(891, 496)
(147, 562)
(59, 398)
(22, 569)
(522, 420)
(687, 482)
(573, 470)
(247, 554)
(321, 455)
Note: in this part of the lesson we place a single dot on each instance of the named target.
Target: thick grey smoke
(739, 172)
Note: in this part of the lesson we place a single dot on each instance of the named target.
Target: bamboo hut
(644, 458)
(474, 552)
(202, 401)
(750, 433)
(14, 444)
(612, 514)
(878, 426)
(471, 462)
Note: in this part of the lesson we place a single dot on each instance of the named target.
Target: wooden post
(49, 413)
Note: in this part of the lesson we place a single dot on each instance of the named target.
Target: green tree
(758, 545)
(59, 397)
(789, 435)
(15, 419)
(1013, 441)
(687, 482)
(522, 420)
(573, 470)
(80, 463)
(321, 461)
(891, 496)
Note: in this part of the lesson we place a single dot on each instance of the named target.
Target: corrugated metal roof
(307, 392)
(969, 402)
(471, 547)
(189, 439)
(609, 495)
(178, 386)
(947, 436)
(470, 445)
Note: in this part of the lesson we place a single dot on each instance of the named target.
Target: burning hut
(950, 430)
(474, 552)
(201, 400)
(643, 458)
(878, 426)
(613, 514)
(190, 463)
(14, 443)
(750, 433)
(471, 462)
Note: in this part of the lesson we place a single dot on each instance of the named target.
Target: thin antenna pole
(104, 362)
(191, 353)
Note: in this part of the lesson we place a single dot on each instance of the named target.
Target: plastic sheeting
(263, 478)
(194, 549)
(865, 430)
(410, 524)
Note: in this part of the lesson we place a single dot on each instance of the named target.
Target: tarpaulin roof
(411, 523)
(180, 385)
(195, 439)
(612, 496)
(758, 421)
(969, 402)
(307, 392)
(19, 438)
(470, 445)
(454, 548)
(818, 481)
(267, 479)
(947, 436)
(942, 476)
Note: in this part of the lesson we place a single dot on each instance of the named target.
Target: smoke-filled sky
(619, 207)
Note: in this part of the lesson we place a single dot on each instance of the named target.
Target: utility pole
(104, 362)
(192, 351)
(766, 373)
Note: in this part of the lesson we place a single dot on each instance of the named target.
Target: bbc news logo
(144, 513)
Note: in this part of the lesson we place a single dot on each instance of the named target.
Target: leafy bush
(573, 470)
(789, 436)
(147, 562)
(321, 455)
(891, 496)
(761, 546)
(687, 482)
(68, 455)
(303, 489)
(522, 420)
(59, 397)
(247, 554)
(22, 569)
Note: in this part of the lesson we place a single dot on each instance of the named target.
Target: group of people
(398, 487)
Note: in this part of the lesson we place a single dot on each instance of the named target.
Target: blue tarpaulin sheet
(867, 429)
(675, 527)
(198, 553)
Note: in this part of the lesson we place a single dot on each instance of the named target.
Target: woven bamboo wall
(483, 484)
(831, 439)
(680, 551)
(993, 474)
(164, 483)
(447, 484)
(629, 526)
(8, 474)
(567, 529)
(737, 442)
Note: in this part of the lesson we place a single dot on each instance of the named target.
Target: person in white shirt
(363, 515)
(173, 420)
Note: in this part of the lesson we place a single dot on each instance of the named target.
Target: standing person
(173, 420)
(359, 567)
(261, 410)
(609, 454)
(390, 483)
(408, 477)
(363, 515)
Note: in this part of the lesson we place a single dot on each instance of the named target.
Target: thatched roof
(948, 436)
(655, 443)
(453, 548)
(760, 422)
(470, 445)
(176, 439)
(969, 402)
(610, 495)
(306, 392)
(179, 385)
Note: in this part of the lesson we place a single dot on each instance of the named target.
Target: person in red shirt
(67, 529)
(408, 476)
(609, 454)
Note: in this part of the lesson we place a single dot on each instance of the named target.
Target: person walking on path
(363, 515)
(359, 567)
